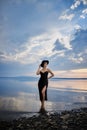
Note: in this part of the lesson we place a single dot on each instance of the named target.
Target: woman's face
(45, 64)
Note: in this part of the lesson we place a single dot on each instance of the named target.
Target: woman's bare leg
(43, 93)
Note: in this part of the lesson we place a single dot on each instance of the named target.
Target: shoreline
(75, 119)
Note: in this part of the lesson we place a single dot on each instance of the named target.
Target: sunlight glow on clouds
(77, 73)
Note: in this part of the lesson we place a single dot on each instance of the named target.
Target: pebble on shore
(67, 120)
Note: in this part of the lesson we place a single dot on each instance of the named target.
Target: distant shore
(35, 78)
(75, 119)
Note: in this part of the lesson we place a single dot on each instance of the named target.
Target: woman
(43, 81)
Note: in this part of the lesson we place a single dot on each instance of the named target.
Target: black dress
(43, 81)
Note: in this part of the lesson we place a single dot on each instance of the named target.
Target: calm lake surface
(20, 94)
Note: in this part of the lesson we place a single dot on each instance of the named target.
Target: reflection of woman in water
(43, 81)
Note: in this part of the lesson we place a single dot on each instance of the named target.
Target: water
(20, 95)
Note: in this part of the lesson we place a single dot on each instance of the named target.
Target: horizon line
(37, 77)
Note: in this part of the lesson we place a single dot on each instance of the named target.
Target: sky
(34, 30)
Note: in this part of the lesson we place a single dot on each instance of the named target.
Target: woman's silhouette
(43, 81)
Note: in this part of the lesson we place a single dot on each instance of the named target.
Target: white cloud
(77, 56)
(84, 12)
(82, 16)
(66, 41)
(76, 4)
(77, 27)
(67, 17)
(79, 51)
(75, 59)
(84, 2)
(38, 47)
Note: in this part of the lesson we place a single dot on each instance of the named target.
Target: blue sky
(33, 30)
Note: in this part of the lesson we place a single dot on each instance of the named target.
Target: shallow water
(21, 95)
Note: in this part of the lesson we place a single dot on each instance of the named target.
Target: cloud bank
(33, 30)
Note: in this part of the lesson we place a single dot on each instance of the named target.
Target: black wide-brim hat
(42, 64)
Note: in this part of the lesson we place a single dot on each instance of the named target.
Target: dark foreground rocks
(66, 120)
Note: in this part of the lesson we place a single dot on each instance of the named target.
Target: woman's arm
(38, 71)
(52, 74)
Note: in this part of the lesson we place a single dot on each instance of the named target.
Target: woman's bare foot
(42, 110)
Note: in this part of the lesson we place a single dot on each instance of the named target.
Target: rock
(65, 127)
(65, 117)
(10, 129)
(67, 120)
